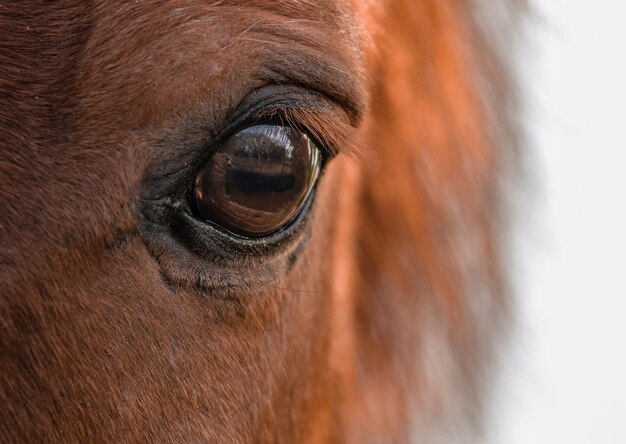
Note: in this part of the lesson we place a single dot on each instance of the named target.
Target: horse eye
(258, 181)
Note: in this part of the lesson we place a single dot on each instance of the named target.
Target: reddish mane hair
(378, 325)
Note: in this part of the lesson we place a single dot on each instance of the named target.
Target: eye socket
(258, 181)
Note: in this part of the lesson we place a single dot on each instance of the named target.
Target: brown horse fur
(376, 323)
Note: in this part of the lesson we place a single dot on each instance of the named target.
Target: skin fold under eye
(258, 181)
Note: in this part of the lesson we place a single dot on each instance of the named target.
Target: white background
(566, 381)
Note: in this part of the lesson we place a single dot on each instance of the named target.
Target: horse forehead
(157, 17)
(154, 56)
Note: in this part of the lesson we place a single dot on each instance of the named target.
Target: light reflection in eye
(258, 181)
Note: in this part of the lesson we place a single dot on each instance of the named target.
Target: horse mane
(431, 301)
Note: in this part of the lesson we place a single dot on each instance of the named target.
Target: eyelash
(287, 116)
(275, 113)
(325, 122)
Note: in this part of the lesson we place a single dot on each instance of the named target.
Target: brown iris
(258, 181)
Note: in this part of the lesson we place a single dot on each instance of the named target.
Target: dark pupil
(258, 181)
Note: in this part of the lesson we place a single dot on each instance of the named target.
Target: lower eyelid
(198, 256)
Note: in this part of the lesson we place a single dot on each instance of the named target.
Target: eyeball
(258, 181)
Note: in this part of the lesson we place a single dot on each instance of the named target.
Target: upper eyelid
(186, 145)
(302, 108)
(298, 117)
